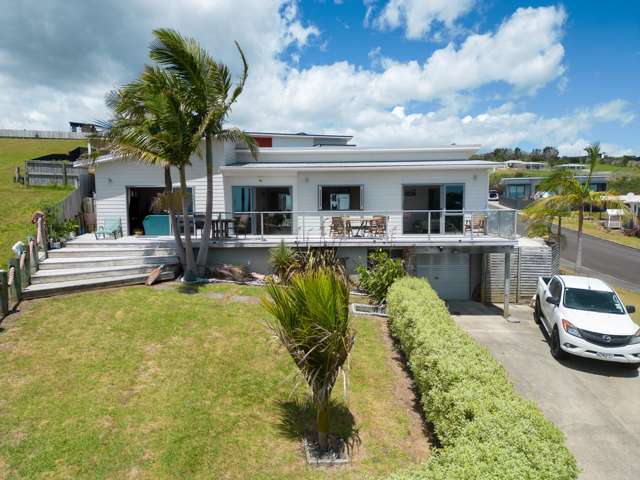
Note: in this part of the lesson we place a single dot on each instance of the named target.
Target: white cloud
(417, 16)
(377, 104)
(336, 95)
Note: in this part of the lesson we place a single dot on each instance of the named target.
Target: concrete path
(595, 404)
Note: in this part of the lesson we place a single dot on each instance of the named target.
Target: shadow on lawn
(298, 421)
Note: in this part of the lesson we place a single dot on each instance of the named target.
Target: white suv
(585, 317)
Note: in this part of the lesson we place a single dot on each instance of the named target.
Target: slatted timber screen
(527, 264)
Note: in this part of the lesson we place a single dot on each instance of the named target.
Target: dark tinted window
(341, 197)
(555, 288)
(593, 301)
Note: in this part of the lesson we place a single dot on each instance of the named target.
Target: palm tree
(152, 123)
(540, 215)
(311, 320)
(210, 96)
(571, 195)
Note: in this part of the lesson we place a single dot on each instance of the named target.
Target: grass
(604, 167)
(590, 227)
(630, 297)
(166, 383)
(19, 202)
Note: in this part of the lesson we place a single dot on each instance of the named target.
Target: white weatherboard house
(427, 204)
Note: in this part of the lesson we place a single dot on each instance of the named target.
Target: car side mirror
(631, 309)
(553, 301)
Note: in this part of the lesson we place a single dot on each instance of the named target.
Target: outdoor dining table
(359, 225)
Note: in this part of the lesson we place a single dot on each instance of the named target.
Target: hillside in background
(17, 201)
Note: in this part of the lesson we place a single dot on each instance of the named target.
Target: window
(593, 301)
(516, 191)
(555, 288)
(340, 197)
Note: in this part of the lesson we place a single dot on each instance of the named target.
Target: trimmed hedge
(486, 429)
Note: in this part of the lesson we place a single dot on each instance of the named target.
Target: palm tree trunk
(579, 250)
(189, 272)
(168, 188)
(206, 229)
(559, 229)
(322, 424)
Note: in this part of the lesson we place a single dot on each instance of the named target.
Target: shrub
(286, 261)
(380, 274)
(487, 431)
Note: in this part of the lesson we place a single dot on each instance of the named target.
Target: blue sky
(390, 72)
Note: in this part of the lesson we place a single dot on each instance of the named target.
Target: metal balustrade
(359, 224)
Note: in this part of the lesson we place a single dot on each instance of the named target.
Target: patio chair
(111, 227)
(339, 227)
(241, 225)
(378, 226)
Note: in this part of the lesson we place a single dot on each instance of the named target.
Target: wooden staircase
(87, 264)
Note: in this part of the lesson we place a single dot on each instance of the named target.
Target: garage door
(447, 273)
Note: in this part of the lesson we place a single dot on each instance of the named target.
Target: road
(595, 404)
(602, 256)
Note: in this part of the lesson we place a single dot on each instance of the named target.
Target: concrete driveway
(595, 404)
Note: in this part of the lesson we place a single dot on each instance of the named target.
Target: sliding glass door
(432, 209)
(275, 202)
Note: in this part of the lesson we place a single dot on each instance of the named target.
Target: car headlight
(570, 329)
(635, 338)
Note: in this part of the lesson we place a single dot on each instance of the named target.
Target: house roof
(528, 180)
(353, 150)
(354, 166)
(298, 135)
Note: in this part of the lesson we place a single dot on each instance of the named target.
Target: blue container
(156, 225)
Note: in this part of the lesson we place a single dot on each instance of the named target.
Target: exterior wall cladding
(305, 163)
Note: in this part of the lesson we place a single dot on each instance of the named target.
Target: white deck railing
(359, 224)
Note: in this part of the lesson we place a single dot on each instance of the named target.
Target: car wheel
(536, 311)
(556, 350)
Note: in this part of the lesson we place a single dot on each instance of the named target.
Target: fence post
(33, 253)
(64, 173)
(17, 278)
(4, 294)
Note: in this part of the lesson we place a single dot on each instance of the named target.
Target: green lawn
(19, 202)
(604, 167)
(160, 382)
(591, 227)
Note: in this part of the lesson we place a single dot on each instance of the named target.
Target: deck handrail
(477, 222)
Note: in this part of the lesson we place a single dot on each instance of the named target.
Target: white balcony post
(429, 224)
(261, 225)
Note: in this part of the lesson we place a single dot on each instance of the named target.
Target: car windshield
(593, 300)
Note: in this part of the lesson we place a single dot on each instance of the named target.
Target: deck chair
(378, 226)
(241, 225)
(111, 227)
(339, 227)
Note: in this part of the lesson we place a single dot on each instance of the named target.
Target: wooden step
(60, 288)
(69, 274)
(97, 262)
(73, 252)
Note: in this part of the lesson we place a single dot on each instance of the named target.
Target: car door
(549, 309)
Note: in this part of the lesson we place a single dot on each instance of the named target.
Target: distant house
(573, 166)
(71, 156)
(524, 187)
(84, 127)
(525, 165)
